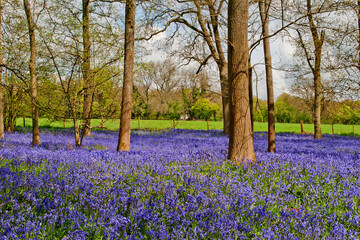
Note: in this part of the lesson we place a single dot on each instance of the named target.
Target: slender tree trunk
(33, 81)
(1, 94)
(251, 97)
(213, 40)
(241, 145)
(220, 58)
(264, 6)
(223, 69)
(318, 43)
(317, 103)
(76, 132)
(126, 104)
(86, 70)
(302, 127)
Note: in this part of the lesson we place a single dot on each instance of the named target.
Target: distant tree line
(293, 109)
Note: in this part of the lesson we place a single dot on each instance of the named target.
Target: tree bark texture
(318, 43)
(32, 67)
(1, 94)
(76, 128)
(251, 97)
(302, 127)
(264, 6)
(223, 69)
(86, 70)
(126, 104)
(241, 145)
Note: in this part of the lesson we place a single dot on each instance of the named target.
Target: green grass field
(339, 129)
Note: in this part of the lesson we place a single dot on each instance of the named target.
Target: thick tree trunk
(241, 145)
(264, 6)
(1, 94)
(223, 69)
(33, 81)
(86, 70)
(126, 104)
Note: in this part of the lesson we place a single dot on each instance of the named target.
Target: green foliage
(204, 109)
(189, 98)
(289, 109)
(283, 112)
(139, 105)
(260, 111)
(347, 115)
(174, 110)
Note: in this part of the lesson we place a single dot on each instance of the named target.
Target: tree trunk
(264, 6)
(1, 94)
(302, 127)
(223, 69)
(213, 40)
(318, 43)
(77, 133)
(76, 126)
(207, 123)
(241, 145)
(353, 130)
(126, 104)
(11, 118)
(32, 67)
(251, 97)
(86, 70)
(317, 105)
